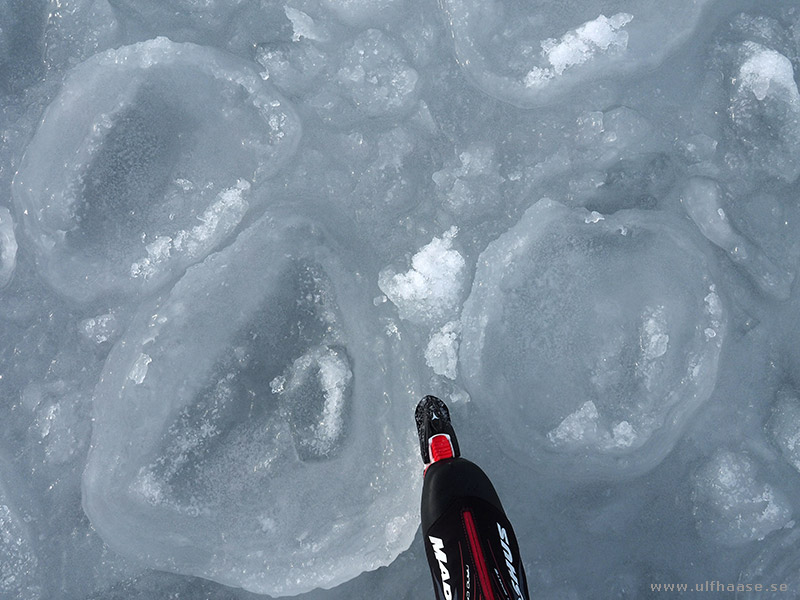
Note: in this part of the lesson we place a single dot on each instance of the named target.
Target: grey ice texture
(239, 239)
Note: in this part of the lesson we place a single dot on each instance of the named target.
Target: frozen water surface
(240, 238)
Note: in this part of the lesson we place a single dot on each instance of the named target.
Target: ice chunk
(292, 68)
(218, 219)
(144, 164)
(376, 77)
(304, 26)
(470, 186)
(8, 247)
(19, 578)
(731, 506)
(369, 77)
(527, 55)
(271, 438)
(139, 370)
(100, 329)
(430, 292)
(765, 110)
(592, 338)
(577, 47)
(703, 200)
(441, 353)
(766, 71)
(580, 426)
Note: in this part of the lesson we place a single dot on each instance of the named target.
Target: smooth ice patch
(778, 560)
(8, 247)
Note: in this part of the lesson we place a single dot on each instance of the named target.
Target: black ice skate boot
(472, 549)
(437, 439)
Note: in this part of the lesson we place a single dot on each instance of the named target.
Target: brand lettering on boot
(441, 558)
(512, 572)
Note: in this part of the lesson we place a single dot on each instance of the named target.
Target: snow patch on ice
(580, 45)
(583, 428)
(219, 219)
(334, 378)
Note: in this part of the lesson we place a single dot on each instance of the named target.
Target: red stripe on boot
(477, 555)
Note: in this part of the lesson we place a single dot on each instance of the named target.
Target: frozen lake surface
(239, 240)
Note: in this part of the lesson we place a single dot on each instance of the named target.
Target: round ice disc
(590, 340)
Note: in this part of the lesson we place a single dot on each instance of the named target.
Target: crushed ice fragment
(441, 354)
(139, 370)
(431, 290)
(580, 45)
(99, 329)
(594, 217)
